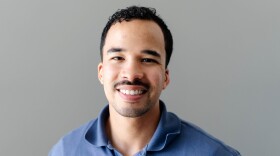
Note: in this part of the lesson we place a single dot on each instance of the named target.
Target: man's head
(133, 68)
(141, 13)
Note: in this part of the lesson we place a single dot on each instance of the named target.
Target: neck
(130, 135)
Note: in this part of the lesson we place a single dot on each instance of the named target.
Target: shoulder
(78, 133)
(199, 139)
(71, 140)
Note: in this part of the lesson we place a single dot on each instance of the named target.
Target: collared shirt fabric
(173, 136)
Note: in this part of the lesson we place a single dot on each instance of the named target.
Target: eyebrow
(113, 50)
(146, 51)
(151, 52)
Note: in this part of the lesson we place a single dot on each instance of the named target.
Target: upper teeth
(131, 92)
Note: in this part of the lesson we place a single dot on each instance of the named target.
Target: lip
(128, 97)
(132, 87)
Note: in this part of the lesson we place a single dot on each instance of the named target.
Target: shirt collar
(96, 134)
(168, 127)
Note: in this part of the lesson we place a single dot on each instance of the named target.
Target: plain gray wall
(225, 69)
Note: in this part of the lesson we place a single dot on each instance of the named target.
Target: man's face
(133, 69)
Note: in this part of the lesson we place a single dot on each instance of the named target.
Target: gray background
(225, 70)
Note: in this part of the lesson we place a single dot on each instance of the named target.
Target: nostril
(131, 75)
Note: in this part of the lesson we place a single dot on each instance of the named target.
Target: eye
(148, 60)
(117, 58)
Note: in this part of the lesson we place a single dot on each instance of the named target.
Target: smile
(131, 92)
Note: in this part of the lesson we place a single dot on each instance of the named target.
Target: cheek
(109, 77)
(157, 78)
(109, 72)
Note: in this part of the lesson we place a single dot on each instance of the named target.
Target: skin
(134, 52)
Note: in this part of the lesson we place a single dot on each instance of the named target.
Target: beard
(134, 112)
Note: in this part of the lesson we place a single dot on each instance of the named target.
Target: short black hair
(142, 13)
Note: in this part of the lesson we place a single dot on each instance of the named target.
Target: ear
(166, 80)
(100, 72)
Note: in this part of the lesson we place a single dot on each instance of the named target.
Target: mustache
(136, 82)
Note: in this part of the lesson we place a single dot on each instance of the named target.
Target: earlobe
(100, 72)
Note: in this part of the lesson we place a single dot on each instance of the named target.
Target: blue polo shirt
(173, 136)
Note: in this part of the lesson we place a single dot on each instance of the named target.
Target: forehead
(135, 35)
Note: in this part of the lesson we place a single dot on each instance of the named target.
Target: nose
(131, 71)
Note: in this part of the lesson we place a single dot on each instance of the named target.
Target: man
(135, 50)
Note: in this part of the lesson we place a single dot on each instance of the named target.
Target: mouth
(132, 92)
